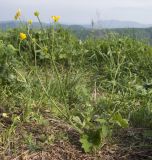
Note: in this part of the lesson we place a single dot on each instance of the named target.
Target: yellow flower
(56, 18)
(36, 13)
(22, 36)
(18, 14)
(30, 22)
(4, 115)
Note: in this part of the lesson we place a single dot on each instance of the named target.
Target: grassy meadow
(64, 98)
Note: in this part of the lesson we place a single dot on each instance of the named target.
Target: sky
(79, 11)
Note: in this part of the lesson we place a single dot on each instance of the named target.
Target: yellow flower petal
(56, 18)
(18, 14)
(22, 36)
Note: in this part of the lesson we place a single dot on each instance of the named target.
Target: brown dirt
(127, 145)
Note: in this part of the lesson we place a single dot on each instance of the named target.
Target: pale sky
(79, 11)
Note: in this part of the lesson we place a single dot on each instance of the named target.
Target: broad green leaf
(95, 137)
(120, 121)
(105, 131)
(86, 145)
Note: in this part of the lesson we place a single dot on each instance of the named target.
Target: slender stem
(40, 24)
(19, 49)
(35, 56)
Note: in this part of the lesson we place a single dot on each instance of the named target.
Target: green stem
(35, 56)
(40, 24)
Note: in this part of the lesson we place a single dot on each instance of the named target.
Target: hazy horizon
(80, 12)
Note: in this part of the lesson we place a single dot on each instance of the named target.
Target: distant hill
(8, 24)
(107, 24)
(13, 24)
(118, 24)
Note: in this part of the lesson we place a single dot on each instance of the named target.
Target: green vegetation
(96, 86)
(141, 34)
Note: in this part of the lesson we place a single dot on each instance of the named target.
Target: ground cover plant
(56, 89)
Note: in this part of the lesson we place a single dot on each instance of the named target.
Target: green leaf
(101, 121)
(95, 137)
(120, 121)
(105, 131)
(77, 120)
(86, 145)
(62, 56)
